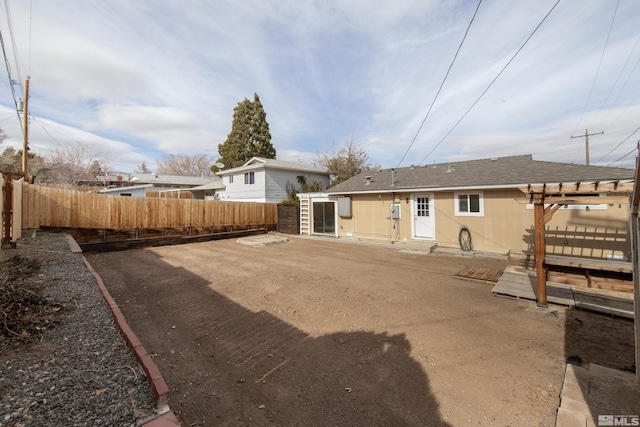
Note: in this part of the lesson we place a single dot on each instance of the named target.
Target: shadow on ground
(226, 364)
(604, 340)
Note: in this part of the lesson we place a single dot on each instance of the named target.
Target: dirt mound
(25, 311)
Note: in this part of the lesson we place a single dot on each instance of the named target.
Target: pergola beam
(555, 196)
(582, 188)
(540, 244)
(588, 200)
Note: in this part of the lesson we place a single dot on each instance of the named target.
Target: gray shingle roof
(261, 162)
(217, 185)
(494, 172)
(149, 178)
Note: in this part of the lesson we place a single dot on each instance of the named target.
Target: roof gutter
(461, 188)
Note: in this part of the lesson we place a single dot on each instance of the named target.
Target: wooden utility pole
(25, 126)
(586, 139)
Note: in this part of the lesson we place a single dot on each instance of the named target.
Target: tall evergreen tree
(249, 135)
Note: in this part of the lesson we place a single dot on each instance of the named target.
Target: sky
(138, 80)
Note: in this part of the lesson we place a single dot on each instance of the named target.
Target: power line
(625, 156)
(13, 38)
(441, 84)
(599, 65)
(42, 125)
(617, 146)
(620, 93)
(617, 79)
(492, 82)
(11, 81)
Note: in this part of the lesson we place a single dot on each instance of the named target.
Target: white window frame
(456, 202)
(230, 179)
(249, 178)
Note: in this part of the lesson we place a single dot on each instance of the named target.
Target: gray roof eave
(254, 167)
(461, 188)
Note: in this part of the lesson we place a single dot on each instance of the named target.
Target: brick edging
(158, 385)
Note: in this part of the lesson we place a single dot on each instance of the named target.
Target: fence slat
(55, 207)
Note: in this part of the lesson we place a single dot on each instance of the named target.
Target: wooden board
(479, 274)
(518, 282)
(616, 303)
(589, 263)
(594, 282)
(121, 245)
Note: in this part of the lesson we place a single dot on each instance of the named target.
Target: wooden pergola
(548, 198)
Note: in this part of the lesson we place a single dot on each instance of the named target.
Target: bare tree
(11, 161)
(345, 162)
(185, 165)
(72, 161)
(143, 168)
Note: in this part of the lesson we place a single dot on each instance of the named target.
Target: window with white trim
(249, 178)
(469, 204)
(230, 179)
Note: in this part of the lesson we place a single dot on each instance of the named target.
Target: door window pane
(422, 206)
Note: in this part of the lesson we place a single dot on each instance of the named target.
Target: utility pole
(25, 126)
(586, 139)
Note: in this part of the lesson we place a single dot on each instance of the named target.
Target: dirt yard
(322, 332)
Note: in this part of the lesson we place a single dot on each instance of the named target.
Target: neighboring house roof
(217, 185)
(124, 189)
(502, 172)
(262, 163)
(150, 178)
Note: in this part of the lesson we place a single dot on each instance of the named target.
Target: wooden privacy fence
(51, 207)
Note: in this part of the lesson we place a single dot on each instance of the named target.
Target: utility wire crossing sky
(414, 82)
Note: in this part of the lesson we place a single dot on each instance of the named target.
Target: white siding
(238, 190)
(135, 192)
(270, 185)
(277, 180)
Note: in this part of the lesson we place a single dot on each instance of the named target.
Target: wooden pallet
(485, 275)
(521, 283)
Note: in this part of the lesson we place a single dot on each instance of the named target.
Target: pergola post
(540, 245)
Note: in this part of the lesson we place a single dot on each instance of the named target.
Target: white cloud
(163, 77)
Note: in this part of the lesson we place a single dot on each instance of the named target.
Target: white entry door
(424, 225)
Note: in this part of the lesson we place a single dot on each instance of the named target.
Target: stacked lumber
(590, 281)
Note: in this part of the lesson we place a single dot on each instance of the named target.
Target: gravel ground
(78, 370)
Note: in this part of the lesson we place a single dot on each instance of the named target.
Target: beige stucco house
(482, 199)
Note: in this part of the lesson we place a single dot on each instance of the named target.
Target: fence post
(16, 222)
(1, 208)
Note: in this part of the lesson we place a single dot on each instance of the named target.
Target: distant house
(139, 185)
(207, 191)
(129, 190)
(110, 179)
(267, 180)
(481, 200)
